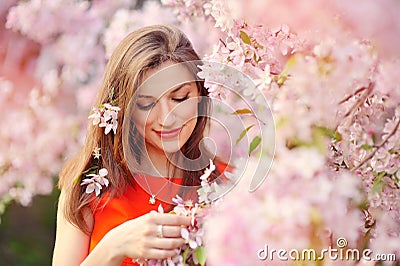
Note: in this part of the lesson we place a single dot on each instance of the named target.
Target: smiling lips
(169, 134)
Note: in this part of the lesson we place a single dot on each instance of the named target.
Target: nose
(165, 114)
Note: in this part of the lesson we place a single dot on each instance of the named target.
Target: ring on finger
(160, 231)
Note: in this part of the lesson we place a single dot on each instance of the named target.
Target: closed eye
(181, 99)
(151, 105)
(145, 107)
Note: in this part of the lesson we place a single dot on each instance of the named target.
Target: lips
(168, 134)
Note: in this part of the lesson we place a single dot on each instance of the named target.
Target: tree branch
(378, 147)
(361, 101)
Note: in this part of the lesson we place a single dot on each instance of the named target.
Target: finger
(167, 243)
(173, 219)
(155, 253)
(171, 231)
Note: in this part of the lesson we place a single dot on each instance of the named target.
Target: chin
(169, 148)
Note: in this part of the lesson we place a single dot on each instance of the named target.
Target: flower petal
(192, 244)
(184, 233)
(103, 172)
(90, 188)
(160, 209)
(108, 129)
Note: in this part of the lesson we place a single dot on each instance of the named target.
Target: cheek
(141, 121)
(187, 111)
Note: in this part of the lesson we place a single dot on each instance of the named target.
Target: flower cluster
(106, 116)
(187, 9)
(95, 182)
(193, 252)
(208, 189)
(257, 52)
(95, 178)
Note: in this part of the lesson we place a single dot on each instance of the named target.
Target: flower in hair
(95, 182)
(96, 153)
(106, 115)
(95, 179)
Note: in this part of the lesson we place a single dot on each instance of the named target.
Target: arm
(136, 238)
(71, 245)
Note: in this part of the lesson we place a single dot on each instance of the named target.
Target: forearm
(106, 253)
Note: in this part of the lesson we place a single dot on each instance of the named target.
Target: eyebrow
(175, 90)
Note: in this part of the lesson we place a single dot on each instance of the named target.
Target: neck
(157, 163)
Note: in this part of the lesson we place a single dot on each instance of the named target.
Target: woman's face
(165, 112)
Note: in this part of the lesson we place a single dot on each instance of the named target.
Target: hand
(151, 236)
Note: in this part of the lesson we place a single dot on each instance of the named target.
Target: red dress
(133, 203)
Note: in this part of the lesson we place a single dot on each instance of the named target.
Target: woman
(140, 151)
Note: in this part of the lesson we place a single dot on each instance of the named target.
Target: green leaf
(18, 184)
(379, 174)
(320, 134)
(254, 143)
(333, 134)
(77, 179)
(245, 38)
(243, 133)
(318, 140)
(91, 170)
(284, 74)
(374, 139)
(367, 147)
(295, 142)
(378, 184)
(363, 205)
(242, 111)
(281, 122)
(184, 254)
(201, 256)
(281, 79)
(111, 95)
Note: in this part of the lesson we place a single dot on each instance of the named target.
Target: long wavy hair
(143, 49)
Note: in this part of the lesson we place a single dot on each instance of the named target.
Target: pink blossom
(95, 182)
(106, 116)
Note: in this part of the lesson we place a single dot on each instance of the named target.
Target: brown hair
(142, 49)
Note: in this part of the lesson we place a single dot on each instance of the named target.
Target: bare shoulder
(72, 244)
